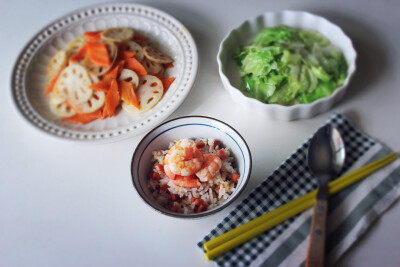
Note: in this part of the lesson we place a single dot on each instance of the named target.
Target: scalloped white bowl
(189, 127)
(248, 30)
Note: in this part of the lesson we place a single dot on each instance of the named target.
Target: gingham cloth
(351, 211)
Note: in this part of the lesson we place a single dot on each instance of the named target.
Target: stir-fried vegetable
(287, 66)
(102, 70)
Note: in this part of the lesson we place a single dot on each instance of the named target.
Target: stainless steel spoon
(326, 155)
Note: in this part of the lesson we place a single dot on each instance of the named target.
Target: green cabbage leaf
(287, 66)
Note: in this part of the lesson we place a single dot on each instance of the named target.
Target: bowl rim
(201, 214)
(339, 90)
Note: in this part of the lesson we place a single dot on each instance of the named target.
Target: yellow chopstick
(251, 229)
(245, 227)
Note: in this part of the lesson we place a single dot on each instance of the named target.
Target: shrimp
(186, 181)
(184, 159)
(212, 165)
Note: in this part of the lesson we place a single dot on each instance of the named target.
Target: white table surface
(64, 204)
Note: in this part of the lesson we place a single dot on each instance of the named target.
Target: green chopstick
(251, 229)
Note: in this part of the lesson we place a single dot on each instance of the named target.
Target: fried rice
(208, 195)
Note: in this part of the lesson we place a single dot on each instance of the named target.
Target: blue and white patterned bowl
(189, 127)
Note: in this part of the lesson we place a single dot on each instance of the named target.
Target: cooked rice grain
(213, 192)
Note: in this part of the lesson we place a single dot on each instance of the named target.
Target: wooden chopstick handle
(316, 245)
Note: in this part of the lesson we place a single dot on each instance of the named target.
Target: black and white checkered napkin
(284, 244)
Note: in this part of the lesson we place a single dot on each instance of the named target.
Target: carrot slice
(198, 201)
(200, 144)
(128, 93)
(201, 208)
(174, 207)
(136, 66)
(188, 153)
(83, 118)
(173, 197)
(104, 113)
(155, 176)
(235, 177)
(80, 55)
(128, 54)
(93, 36)
(105, 83)
(164, 187)
(159, 168)
(222, 154)
(98, 54)
(71, 106)
(122, 47)
(165, 81)
(139, 37)
(112, 98)
(114, 72)
(121, 50)
(169, 65)
(217, 144)
(52, 83)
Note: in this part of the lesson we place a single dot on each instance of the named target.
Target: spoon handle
(316, 245)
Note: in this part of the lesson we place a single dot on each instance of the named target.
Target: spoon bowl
(326, 153)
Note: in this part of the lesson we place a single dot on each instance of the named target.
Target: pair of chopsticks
(253, 228)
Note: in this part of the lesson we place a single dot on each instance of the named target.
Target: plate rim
(25, 56)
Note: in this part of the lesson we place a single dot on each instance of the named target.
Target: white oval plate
(164, 31)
